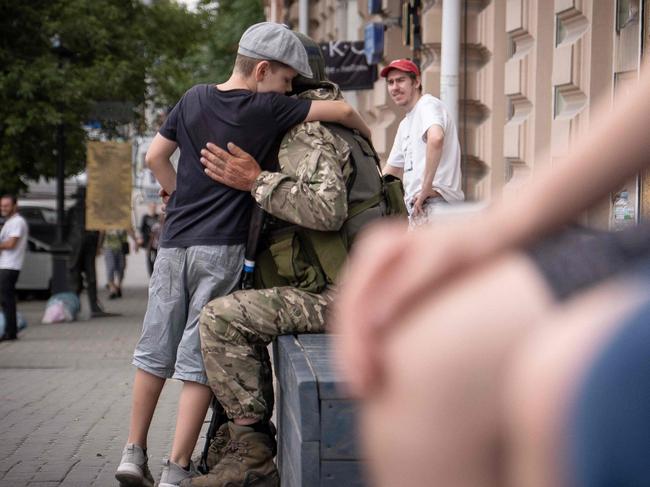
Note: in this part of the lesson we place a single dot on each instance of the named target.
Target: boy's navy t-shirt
(202, 211)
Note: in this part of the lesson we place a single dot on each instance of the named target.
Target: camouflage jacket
(310, 189)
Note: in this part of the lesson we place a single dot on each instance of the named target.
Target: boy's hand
(164, 196)
(236, 168)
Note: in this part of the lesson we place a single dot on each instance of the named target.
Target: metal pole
(303, 17)
(60, 183)
(60, 250)
(450, 56)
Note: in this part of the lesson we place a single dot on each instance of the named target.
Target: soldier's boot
(217, 448)
(247, 462)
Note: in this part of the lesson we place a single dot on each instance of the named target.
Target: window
(627, 12)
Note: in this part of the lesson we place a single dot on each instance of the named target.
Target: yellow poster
(108, 196)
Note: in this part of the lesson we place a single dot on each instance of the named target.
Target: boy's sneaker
(173, 474)
(133, 470)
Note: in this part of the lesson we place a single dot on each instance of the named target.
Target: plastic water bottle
(254, 232)
(623, 214)
(247, 275)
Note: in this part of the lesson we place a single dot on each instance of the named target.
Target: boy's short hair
(245, 65)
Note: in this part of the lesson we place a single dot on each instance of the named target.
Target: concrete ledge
(317, 441)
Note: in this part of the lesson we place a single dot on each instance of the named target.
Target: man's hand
(236, 168)
(421, 199)
(390, 272)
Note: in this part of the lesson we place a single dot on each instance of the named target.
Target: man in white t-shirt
(426, 152)
(13, 244)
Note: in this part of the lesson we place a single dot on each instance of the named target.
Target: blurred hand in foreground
(389, 272)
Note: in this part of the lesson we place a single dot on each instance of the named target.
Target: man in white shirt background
(426, 152)
(13, 244)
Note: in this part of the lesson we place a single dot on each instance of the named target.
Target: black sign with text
(345, 65)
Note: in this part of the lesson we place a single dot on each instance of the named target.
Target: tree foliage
(227, 21)
(63, 62)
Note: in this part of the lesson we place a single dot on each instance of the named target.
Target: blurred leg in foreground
(482, 397)
(578, 392)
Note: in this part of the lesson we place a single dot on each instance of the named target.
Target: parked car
(36, 274)
(41, 221)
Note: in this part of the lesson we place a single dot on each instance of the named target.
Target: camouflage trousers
(235, 333)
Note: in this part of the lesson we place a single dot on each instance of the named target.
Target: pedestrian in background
(114, 245)
(13, 245)
(84, 245)
(154, 239)
(148, 221)
(426, 152)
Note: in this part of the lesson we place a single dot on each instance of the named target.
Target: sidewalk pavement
(65, 395)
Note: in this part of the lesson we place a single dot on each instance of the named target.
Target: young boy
(206, 226)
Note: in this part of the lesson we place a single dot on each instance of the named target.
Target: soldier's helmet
(316, 63)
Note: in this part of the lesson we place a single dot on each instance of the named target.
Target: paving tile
(65, 398)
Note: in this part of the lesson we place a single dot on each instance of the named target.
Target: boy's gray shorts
(183, 281)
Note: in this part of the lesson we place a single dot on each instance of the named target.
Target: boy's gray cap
(275, 42)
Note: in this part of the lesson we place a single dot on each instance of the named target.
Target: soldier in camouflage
(309, 190)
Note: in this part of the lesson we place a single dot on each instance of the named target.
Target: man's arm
(395, 164)
(390, 170)
(435, 140)
(158, 160)
(15, 231)
(9, 244)
(310, 191)
(340, 112)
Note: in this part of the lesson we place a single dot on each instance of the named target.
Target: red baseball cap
(405, 65)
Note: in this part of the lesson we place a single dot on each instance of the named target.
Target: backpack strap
(362, 206)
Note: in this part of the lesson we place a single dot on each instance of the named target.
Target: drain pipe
(274, 10)
(303, 17)
(450, 56)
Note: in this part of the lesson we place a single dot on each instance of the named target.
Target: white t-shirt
(409, 150)
(15, 226)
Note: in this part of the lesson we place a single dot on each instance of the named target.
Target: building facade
(532, 75)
